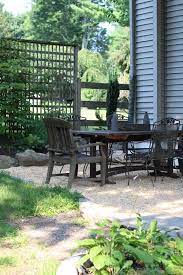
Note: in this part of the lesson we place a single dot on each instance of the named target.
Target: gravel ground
(164, 201)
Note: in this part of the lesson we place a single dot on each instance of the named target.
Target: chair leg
(103, 173)
(72, 172)
(128, 166)
(76, 171)
(50, 168)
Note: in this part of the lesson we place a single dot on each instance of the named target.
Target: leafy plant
(14, 106)
(112, 97)
(37, 139)
(114, 249)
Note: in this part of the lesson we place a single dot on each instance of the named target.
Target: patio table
(107, 136)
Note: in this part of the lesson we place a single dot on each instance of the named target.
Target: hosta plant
(115, 249)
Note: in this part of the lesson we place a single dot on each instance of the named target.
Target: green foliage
(11, 236)
(114, 250)
(10, 26)
(49, 267)
(73, 22)
(119, 50)
(112, 97)
(21, 199)
(36, 140)
(6, 230)
(7, 261)
(118, 11)
(92, 68)
(6, 23)
(53, 21)
(14, 106)
(90, 13)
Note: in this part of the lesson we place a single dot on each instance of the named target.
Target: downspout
(159, 62)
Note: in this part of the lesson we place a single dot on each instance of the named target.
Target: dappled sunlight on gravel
(164, 200)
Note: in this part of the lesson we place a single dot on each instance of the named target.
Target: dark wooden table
(107, 136)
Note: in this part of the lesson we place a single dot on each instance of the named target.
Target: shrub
(114, 249)
(14, 104)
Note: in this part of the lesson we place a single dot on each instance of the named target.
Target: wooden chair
(63, 150)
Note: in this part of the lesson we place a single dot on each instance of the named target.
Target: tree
(10, 26)
(119, 50)
(99, 41)
(118, 11)
(53, 21)
(73, 22)
(6, 24)
(90, 13)
(92, 68)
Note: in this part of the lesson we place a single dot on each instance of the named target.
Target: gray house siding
(157, 59)
(174, 58)
(144, 59)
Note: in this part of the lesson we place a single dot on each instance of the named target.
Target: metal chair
(163, 145)
(161, 150)
(179, 155)
(63, 150)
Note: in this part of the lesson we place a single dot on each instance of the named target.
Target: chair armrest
(92, 145)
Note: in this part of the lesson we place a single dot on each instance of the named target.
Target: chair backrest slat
(60, 136)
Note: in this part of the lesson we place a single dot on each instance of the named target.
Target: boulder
(31, 158)
(6, 162)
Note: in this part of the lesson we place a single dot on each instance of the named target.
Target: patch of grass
(7, 261)
(11, 236)
(80, 221)
(49, 267)
(6, 230)
(21, 199)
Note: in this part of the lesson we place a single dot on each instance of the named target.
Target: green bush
(114, 249)
(37, 139)
(14, 104)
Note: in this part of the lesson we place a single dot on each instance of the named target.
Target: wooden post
(78, 104)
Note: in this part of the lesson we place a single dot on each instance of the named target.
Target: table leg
(92, 165)
(170, 166)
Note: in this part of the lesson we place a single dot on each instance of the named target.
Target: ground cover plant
(114, 249)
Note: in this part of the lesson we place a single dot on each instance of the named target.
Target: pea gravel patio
(163, 202)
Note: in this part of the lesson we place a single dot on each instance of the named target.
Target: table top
(114, 136)
(126, 135)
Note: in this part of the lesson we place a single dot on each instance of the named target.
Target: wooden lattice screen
(51, 75)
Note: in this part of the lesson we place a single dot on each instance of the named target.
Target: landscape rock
(68, 267)
(31, 158)
(7, 162)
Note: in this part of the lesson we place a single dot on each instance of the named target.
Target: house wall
(157, 58)
(143, 58)
(174, 58)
